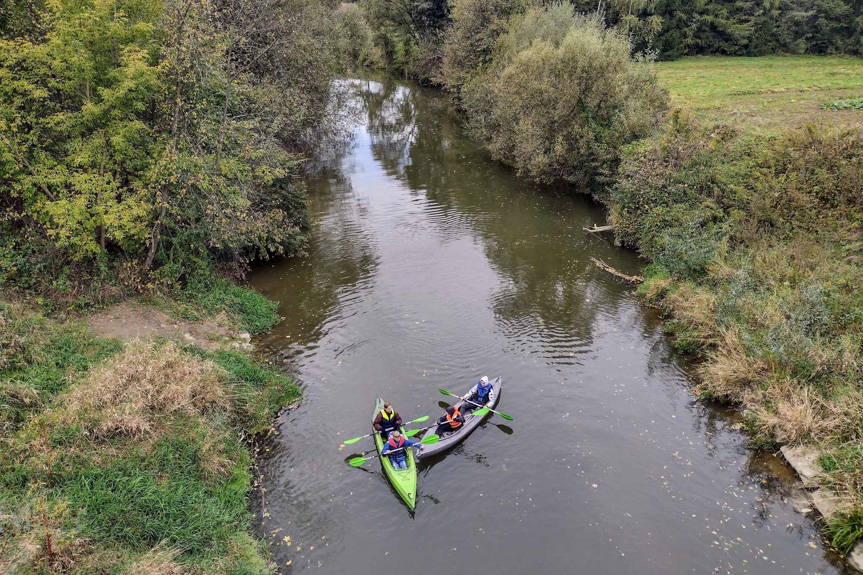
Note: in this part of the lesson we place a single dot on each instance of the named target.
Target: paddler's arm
(473, 391)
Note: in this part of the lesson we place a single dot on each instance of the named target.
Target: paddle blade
(430, 440)
(480, 412)
(412, 432)
(354, 440)
(420, 419)
(358, 461)
(505, 416)
(445, 392)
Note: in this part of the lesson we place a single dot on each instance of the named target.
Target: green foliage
(562, 97)
(208, 297)
(261, 390)
(674, 28)
(142, 499)
(184, 482)
(845, 530)
(354, 39)
(405, 33)
(852, 104)
(159, 133)
(470, 38)
(756, 247)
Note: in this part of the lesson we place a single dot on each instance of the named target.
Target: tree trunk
(156, 234)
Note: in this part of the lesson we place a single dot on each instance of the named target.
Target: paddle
(355, 439)
(477, 413)
(357, 461)
(503, 415)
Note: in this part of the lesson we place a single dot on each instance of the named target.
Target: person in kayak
(398, 459)
(482, 393)
(451, 420)
(387, 421)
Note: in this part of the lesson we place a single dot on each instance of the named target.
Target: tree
(562, 96)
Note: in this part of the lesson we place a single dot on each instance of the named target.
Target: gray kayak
(451, 439)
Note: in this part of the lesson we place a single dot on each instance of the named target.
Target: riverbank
(126, 447)
(753, 228)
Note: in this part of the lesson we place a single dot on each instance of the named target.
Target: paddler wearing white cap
(482, 392)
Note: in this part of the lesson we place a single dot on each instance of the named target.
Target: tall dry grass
(131, 395)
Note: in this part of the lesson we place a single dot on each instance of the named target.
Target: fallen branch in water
(596, 229)
(605, 267)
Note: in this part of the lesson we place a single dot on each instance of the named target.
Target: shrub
(469, 40)
(562, 97)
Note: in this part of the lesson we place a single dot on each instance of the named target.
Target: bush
(562, 97)
(469, 40)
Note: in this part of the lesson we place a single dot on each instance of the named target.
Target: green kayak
(403, 480)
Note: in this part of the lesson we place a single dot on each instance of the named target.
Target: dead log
(596, 229)
(616, 273)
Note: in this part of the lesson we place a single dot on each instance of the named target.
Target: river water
(430, 266)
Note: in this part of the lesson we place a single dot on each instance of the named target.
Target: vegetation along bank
(149, 150)
(739, 179)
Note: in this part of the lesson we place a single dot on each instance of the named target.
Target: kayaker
(387, 421)
(451, 420)
(482, 393)
(397, 441)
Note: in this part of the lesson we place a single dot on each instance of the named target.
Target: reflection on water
(430, 266)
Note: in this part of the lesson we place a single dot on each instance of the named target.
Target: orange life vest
(453, 423)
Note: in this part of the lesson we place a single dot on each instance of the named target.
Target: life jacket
(482, 392)
(453, 423)
(398, 455)
(388, 420)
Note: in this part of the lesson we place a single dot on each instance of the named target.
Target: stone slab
(804, 460)
(829, 503)
(855, 558)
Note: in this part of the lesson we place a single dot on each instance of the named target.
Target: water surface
(430, 266)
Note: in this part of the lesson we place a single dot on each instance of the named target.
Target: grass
(769, 93)
(748, 204)
(38, 359)
(133, 460)
(245, 308)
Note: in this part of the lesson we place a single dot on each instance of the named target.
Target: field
(766, 93)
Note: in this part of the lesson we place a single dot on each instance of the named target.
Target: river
(430, 266)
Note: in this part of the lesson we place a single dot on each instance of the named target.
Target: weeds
(852, 104)
(245, 307)
(756, 250)
(133, 465)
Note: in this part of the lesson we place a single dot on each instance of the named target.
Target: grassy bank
(131, 457)
(752, 217)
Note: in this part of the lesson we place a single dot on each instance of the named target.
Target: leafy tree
(165, 132)
(562, 96)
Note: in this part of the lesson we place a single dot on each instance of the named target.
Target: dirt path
(131, 320)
